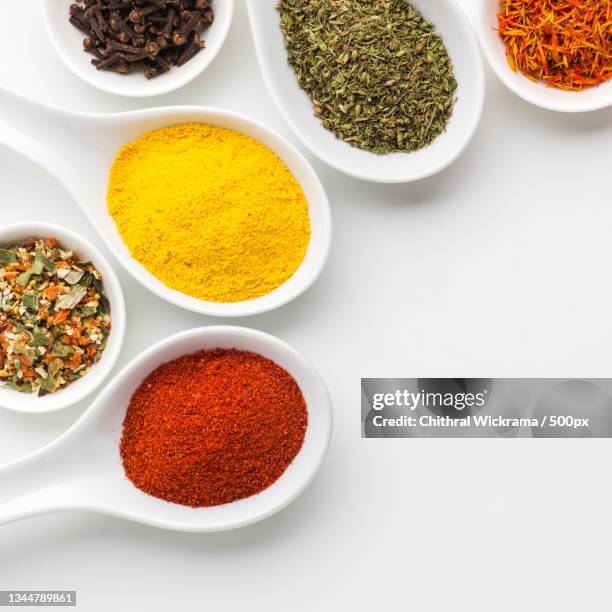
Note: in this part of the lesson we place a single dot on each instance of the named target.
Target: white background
(499, 266)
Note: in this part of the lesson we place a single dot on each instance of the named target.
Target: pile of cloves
(147, 35)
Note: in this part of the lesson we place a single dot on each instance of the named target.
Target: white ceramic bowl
(68, 42)
(539, 94)
(83, 469)
(295, 106)
(79, 149)
(79, 389)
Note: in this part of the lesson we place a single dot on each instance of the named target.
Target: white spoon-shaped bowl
(539, 94)
(296, 107)
(83, 470)
(81, 388)
(78, 150)
(68, 42)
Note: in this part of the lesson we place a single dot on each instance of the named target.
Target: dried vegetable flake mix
(54, 318)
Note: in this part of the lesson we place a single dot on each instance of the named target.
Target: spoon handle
(20, 495)
(40, 133)
(38, 484)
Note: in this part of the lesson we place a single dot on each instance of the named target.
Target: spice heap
(210, 212)
(54, 318)
(378, 75)
(147, 35)
(212, 427)
(564, 43)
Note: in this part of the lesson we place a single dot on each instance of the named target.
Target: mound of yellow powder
(210, 212)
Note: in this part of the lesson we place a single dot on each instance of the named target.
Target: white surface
(296, 107)
(68, 43)
(79, 152)
(498, 266)
(82, 469)
(552, 98)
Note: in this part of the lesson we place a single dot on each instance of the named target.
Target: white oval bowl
(68, 42)
(116, 397)
(294, 104)
(539, 94)
(318, 208)
(81, 388)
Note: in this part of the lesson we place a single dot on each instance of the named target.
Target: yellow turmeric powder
(209, 211)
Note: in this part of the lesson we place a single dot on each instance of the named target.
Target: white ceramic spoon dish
(539, 94)
(83, 470)
(295, 106)
(79, 389)
(68, 42)
(78, 150)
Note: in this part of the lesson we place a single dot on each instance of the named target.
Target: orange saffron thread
(564, 43)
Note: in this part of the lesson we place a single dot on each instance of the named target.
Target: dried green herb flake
(7, 257)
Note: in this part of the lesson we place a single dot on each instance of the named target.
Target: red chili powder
(212, 427)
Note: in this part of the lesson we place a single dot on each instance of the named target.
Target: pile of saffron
(564, 43)
(212, 427)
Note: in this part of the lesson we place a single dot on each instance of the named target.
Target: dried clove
(194, 46)
(151, 36)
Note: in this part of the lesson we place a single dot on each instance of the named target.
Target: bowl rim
(530, 91)
(158, 87)
(468, 30)
(58, 401)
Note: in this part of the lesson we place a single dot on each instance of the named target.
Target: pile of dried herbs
(54, 318)
(377, 73)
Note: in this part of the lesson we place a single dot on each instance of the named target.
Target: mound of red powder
(212, 427)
